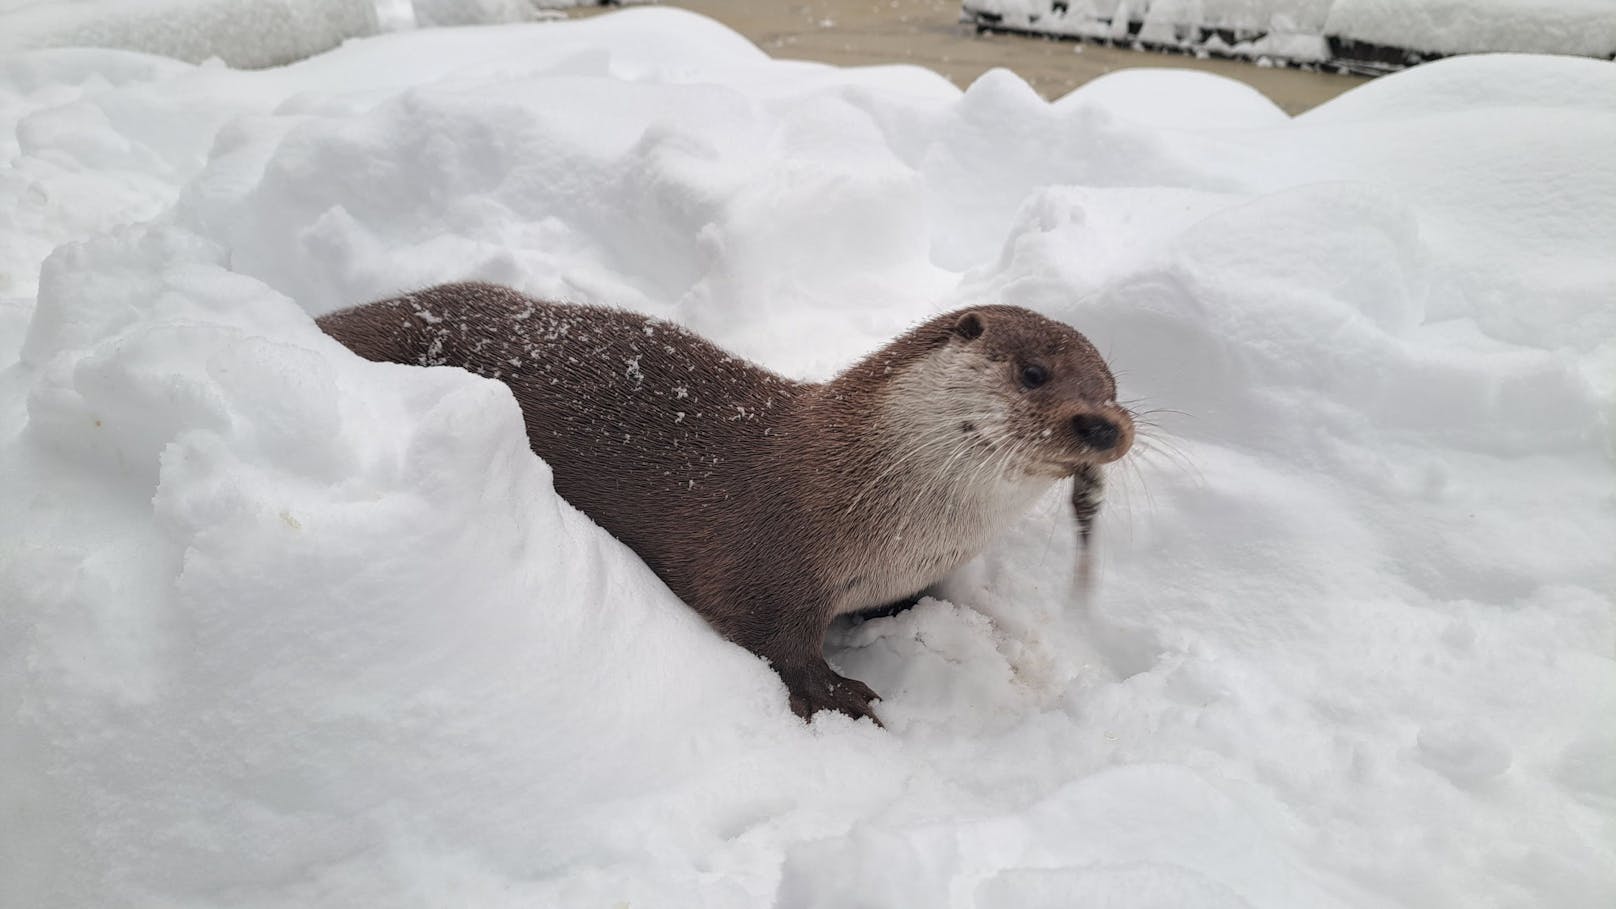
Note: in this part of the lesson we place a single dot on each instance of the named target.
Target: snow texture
(245, 33)
(473, 12)
(280, 627)
(1586, 27)
(1300, 30)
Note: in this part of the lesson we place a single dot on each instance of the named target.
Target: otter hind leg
(896, 607)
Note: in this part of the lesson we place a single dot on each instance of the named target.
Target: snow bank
(279, 627)
(249, 34)
(476, 12)
(1378, 34)
(1585, 27)
(242, 33)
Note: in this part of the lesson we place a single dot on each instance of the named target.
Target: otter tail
(384, 332)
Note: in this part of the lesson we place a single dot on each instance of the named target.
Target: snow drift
(245, 33)
(279, 627)
(1364, 35)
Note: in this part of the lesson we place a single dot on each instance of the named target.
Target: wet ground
(928, 33)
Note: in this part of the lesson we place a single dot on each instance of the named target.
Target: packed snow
(1302, 30)
(239, 32)
(242, 33)
(1586, 27)
(281, 627)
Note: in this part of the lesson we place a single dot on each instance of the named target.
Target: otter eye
(1033, 375)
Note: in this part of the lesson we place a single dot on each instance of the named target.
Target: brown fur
(771, 506)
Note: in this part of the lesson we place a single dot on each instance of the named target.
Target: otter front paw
(817, 687)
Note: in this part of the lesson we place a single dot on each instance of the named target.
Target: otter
(772, 506)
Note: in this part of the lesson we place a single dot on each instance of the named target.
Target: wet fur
(770, 506)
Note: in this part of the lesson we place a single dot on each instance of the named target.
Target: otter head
(1033, 387)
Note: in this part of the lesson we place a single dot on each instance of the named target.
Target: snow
(1586, 27)
(279, 627)
(245, 33)
(479, 12)
(1298, 30)
(242, 33)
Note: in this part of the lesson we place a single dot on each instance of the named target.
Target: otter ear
(969, 326)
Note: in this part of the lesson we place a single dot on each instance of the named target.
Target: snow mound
(1365, 35)
(280, 627)
(249, 34)
(430, 13)
(1585, 27)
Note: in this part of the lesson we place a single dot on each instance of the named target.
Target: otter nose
(1097, 433)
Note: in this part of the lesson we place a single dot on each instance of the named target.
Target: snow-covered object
(1165, 21)
(472, 12)
(490, 12)
(279, 627)
(1586, 27)
(1322, 31)
(245, 33)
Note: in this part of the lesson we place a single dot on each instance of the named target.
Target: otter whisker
(997, 465)
(938, 477)
(926, 444)
(1138, 486)
(1046, 512)
(1153, 450)
(963, 490)
(1142, 414)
